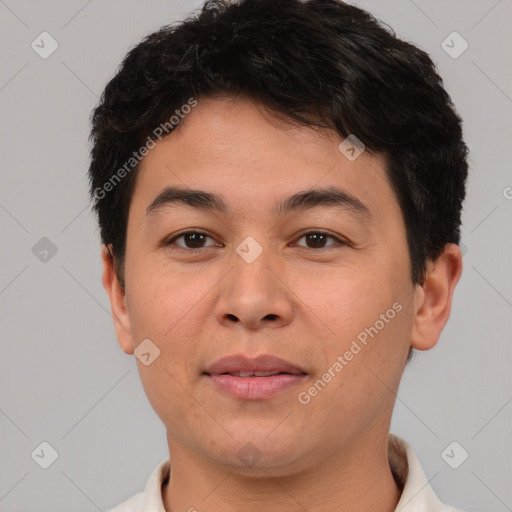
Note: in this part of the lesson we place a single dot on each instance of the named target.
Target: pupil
(195, 239)
(318, 239)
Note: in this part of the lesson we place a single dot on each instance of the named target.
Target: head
(229, 124)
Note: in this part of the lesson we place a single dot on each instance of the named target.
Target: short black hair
(321, 63)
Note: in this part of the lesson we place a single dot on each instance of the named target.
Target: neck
(358, 478)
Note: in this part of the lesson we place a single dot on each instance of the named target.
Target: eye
(191, 240)
(196, 240)
(317, 240)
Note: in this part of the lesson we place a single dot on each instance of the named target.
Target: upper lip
(263, 363)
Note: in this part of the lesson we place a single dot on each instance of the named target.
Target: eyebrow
(325, 197)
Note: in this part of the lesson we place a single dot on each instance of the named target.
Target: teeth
(254, 374)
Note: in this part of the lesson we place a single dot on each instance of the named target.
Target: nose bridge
(253, 270)
(252, 274)
(253, 293)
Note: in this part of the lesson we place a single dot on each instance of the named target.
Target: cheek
(342, 301)
(365, 318)
(167, 308)
(163, 301)
(361, 378)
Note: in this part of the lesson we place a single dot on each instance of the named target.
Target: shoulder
(417, 494)
(150, 500)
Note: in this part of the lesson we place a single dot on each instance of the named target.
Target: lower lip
(255, 388)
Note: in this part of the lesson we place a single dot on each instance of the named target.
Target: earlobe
(433, 299)
(116, 294)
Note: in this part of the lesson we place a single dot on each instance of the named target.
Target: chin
(258, 452)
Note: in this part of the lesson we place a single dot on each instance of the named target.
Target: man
(279, 186)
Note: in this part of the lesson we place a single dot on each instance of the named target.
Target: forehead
(242, 152)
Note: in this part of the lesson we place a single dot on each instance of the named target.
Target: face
(321, 280)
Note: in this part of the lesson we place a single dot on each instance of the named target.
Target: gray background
(63, 378)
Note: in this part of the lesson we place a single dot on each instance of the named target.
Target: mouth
(254, 379)
(255, 373)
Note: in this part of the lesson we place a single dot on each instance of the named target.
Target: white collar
(417, 494)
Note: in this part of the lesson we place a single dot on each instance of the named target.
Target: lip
(253, 387)
(263, 363)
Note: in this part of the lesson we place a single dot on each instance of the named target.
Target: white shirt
(417, 495)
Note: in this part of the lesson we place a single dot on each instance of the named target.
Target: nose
(255, 294)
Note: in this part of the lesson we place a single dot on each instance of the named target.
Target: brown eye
(318, 240)
(191, 240)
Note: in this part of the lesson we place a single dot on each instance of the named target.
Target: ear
(117, 298)
(433, 300)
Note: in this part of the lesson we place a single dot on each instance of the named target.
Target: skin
(200, 305)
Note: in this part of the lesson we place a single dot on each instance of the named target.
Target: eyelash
(302, 235)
